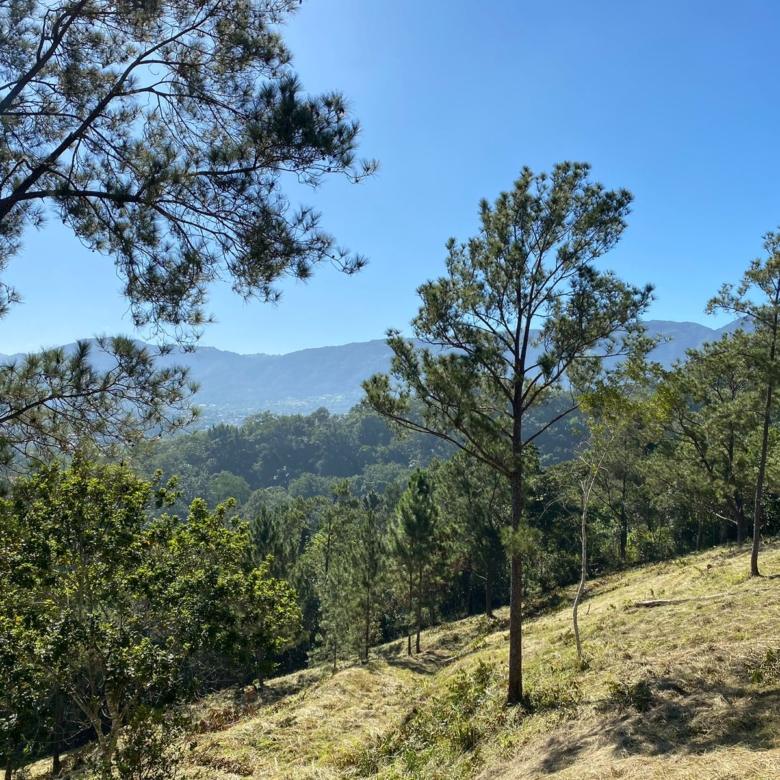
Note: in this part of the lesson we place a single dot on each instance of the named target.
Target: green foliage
(521, 310)
(554, 687)
(159, 133)
(346, 560)
(416, 544)
(766, 670)
(301, 455)
(151, 746)
(454, 720)
(479, 350)
(757, 300)
(646, 545)
(123, 613)
(56, 400)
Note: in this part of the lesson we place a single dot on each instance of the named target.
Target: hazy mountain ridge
(234, 386)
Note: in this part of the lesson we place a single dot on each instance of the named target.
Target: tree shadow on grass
(683, 718)
(427, 662)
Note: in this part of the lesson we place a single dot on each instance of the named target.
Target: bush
(454, 721)
(647, 545)
(150, 748)
(767, 669)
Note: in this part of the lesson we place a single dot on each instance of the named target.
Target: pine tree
(159, 133)
(415, 543)
(368, 558)
(762, 278)
(521, 307)
(712, 408)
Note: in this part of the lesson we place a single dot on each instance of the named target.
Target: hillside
(682, 690)
(234, 386)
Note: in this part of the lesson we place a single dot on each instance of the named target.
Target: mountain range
(234, 386)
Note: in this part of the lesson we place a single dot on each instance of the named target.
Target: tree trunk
(583, 575)
(419, 606)
(758, 505)
(515, 685)
(409, 619)
(488, 593)
(623, 521)
(59, 712)
(367, 636)
(9, 769)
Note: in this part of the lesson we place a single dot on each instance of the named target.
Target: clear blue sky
(677, 100)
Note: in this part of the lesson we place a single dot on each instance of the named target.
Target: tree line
(322, 536)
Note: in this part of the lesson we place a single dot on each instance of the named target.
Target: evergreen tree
(368, 555)
(340, 615)
(57, 401)
(159, 133)
(475, 500)
(712, 408)
(415, 543)
(762, 279)
(522, 306)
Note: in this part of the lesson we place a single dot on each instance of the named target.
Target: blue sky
(677, 101)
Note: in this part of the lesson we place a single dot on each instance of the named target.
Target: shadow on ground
(683, 717)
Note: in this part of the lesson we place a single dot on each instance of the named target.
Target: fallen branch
(668, 602)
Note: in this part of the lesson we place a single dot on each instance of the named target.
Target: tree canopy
(521, 310)
(162, 134)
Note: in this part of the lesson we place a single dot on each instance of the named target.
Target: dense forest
(521, 443)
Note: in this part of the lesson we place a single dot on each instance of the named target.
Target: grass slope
(684, 690)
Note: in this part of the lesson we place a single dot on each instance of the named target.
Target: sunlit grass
(685, 690)
(669, 691)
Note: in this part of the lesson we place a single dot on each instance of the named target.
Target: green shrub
(649, 546)
(454, 720)
(767, 669)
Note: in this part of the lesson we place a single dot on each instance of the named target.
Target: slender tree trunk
(488, 593)
(515, 685)
(758, 504)
(699, 528)
(419, 606)
(367, 636)
(409, 619)
(623, 521)
(59, 712)
(9, 768)
(586, 488)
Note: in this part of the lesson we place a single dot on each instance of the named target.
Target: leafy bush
(150, 748)
(647, 545)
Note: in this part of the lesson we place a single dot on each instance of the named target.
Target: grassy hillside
(684, 690)
(689, 689)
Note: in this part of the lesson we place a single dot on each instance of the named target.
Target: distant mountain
(234, 386)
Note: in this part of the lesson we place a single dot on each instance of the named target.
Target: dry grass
(706, 716)
(688, 690)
